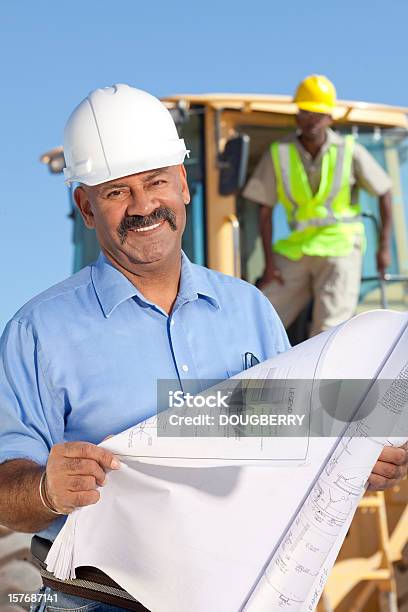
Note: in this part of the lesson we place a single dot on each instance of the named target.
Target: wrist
(269, 264)
(384, 239)
(44, 495)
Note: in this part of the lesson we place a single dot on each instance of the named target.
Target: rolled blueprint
(295, 576)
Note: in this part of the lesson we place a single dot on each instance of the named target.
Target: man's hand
(391, 467)
(383, 259)
(271, 274)
(74, 470)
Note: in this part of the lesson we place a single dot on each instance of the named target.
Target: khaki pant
(332, 282)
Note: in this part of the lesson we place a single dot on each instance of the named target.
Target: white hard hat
(117, 131)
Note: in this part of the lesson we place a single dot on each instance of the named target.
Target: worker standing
(316, 175)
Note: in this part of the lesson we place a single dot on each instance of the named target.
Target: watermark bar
(282, 408)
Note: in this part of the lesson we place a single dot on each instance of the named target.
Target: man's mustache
(139, 221)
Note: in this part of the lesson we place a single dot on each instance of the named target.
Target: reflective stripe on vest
(331, 204)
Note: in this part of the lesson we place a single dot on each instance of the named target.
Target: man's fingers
(85, 498)
(277, 278)
(86, 450)
(394, 454)
(81, 483)
(389, 470)
(84, 467)
(379, 483)
(74, 470)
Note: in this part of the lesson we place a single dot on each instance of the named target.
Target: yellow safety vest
(324, 224)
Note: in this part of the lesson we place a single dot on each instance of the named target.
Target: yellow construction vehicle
(227, 134)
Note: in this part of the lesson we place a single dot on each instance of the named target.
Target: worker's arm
(73, 472)
(390, 468)
(271, 272)
(384, 246)
(261, 189)
(20, 505)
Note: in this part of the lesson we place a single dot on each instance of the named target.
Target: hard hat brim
(316, 107)
(104, 175)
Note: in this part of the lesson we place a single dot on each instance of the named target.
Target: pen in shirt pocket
(250, 360)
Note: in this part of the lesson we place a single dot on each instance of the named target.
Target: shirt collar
(194, 283)
(331, 138)
(112, 287)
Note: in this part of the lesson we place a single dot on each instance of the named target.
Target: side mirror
(233, 164)
(54, 159)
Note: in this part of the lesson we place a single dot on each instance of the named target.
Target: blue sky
(54, 53)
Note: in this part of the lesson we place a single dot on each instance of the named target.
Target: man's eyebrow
(149, 176)
(114, 186)
(154, 173)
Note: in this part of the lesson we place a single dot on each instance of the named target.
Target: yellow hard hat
(316, 94)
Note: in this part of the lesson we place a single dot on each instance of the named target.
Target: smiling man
(81, 361)
(139, 223)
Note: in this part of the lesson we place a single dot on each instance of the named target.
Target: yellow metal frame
(348, 112)
(375, 571)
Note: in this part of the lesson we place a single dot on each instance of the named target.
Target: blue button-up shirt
(81, 360)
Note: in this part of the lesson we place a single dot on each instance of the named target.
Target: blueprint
(245, 523)
(295, 577)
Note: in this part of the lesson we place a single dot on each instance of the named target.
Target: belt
(90, 582)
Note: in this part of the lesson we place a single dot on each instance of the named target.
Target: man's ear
(81, 198)
(184, 185)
